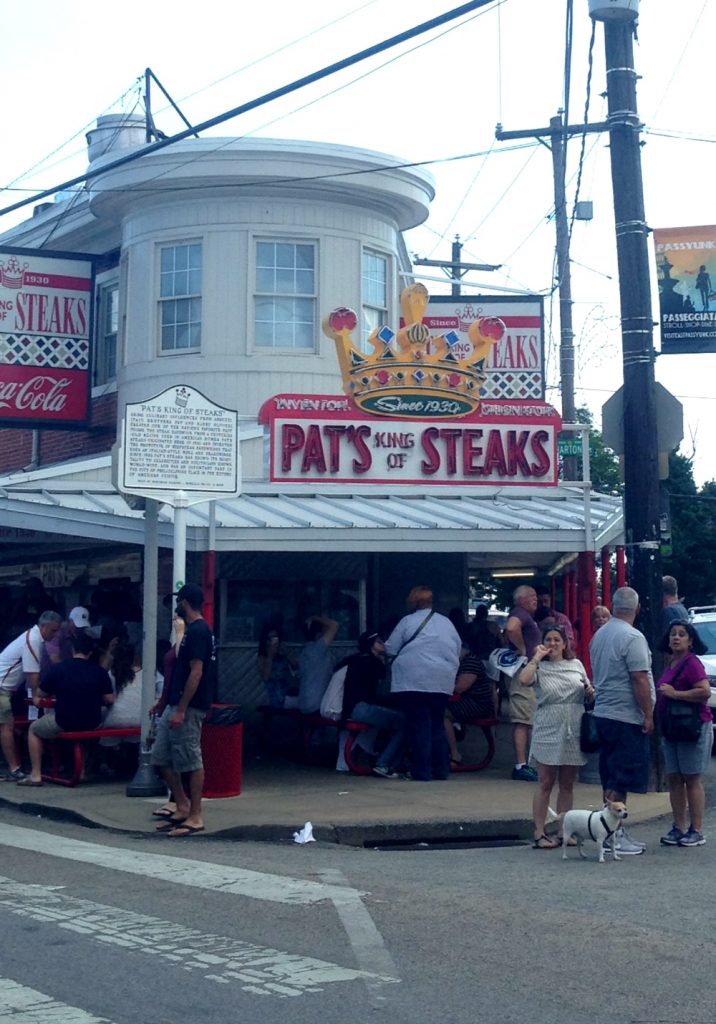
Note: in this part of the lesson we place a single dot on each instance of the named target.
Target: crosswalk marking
(22, 1005)
(179, 870)
(259, 970)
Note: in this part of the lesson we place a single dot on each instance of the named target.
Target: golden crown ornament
(413, 374)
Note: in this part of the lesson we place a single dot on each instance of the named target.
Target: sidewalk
(279, 796)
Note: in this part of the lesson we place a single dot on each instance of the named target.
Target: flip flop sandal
(170, 825)
(543, 842)
(183, 831)
(163, 812)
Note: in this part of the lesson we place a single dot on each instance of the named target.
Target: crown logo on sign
(413, 373)
(181, 397)
(12, 274)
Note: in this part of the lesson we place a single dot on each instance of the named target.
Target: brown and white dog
(595, 825)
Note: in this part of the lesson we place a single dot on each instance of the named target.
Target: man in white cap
(60, 648)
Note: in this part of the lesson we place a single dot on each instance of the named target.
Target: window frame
(106, 285)
(191, 296)
(259, 293)
(382, 312)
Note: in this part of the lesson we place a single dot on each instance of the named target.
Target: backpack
(332, 703)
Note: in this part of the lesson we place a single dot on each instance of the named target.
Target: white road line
(21, 1005)
(258, 970)
(367, 943)
(179, 870)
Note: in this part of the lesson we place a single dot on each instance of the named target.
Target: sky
(434, 100)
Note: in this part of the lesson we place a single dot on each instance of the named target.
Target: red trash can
(222, 737)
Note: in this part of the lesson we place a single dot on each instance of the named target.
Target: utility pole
(641, 457)
(455, 268)
(558, 132)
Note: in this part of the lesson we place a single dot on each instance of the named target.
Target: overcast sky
(434, 99)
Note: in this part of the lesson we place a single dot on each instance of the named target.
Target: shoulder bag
(588, 735)
(424, 623)
(680, 719)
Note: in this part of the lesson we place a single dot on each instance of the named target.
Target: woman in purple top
(685, 763)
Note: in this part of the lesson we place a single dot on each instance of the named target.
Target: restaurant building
(386, 438)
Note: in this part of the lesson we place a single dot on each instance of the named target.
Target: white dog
(595, 825)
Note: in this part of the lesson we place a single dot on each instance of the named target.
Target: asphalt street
(103, 927)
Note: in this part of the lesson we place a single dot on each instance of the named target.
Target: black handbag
(588, 735)
(681, 721)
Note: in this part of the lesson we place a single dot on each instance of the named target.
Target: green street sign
(569, 446)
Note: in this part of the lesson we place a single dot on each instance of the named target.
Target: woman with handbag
(561, 687)
(687, 731)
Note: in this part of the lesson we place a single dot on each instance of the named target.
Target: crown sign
(12, 273)
(181, 397)
(413, 374)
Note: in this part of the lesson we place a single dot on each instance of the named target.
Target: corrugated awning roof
(497, 527)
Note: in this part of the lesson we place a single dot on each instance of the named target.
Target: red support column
(621, 567)
(606, 577)
(587, 591)
(571, 581)
(208, 582)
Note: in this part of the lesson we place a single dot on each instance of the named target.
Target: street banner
(686, 273)
(45, 338)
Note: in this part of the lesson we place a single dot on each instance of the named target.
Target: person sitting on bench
(80, 688)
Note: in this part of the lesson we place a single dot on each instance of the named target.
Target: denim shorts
(179, 748)
(623, 756)
(689, 758)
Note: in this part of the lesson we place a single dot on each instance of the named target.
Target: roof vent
(115, 132)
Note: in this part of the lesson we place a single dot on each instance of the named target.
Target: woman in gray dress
(561, 686)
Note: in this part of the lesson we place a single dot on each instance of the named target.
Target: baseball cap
(192, 593)
(80, 617)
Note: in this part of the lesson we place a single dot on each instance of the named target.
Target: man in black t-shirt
(80, 688)
(177, 746)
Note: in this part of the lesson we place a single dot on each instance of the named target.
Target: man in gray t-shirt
(315, 663)
(624, 706)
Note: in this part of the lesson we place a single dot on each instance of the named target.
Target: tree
(603, 463)
(693, 533)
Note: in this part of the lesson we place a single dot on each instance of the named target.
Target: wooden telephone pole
(641, 455)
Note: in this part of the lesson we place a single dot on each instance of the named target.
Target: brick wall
(62, 445)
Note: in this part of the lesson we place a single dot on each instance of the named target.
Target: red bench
(78, 739)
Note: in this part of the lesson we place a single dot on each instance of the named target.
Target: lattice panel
(59, 353)
(513, 384)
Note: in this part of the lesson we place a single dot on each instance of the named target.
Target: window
(285, 295)
(375, 293)
(104, 369)
(250, 604)
(180, 297)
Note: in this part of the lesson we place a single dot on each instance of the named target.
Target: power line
(262, 100)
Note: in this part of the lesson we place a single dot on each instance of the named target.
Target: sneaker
(692, 838)
(672, 837)
(524, 774)
(623, 834)
(385, 773)
(16, 775)
(624, 845)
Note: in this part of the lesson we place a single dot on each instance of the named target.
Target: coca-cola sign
(46, 323)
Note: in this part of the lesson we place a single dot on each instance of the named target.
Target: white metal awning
(494, 528)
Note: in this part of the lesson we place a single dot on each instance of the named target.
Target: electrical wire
(583, 146)
(680, 60)
(297, 84)
(523, 168)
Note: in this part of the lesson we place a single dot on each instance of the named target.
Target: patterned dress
(559, 689)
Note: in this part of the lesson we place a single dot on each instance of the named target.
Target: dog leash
(609, 831)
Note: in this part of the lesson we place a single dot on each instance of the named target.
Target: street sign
(569, 446)
(179, 441)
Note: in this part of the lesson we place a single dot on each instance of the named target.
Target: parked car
(703, 618)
